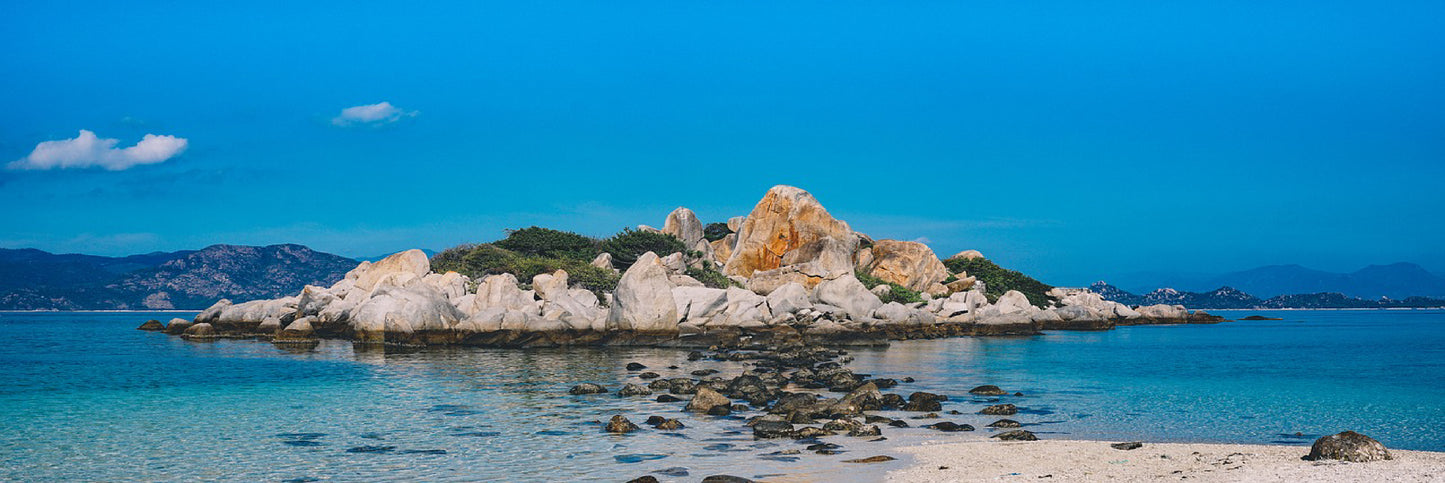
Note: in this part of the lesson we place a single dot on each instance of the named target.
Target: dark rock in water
(152, 325)
(649, 375)
(793, 401)
(949, 427)
(908, 379)
(954, 412)
(871, 459)
(667, 398)
(371, 449)
(726, 479)
(924, 401)
(898, 423)
(1019, 394)
(866, 431)
(722, 410)
(619, 424)
(1000, 410)
(811, 432)
(704, 372)
(1004, 423)
(655, 420)
(884, 383)
(633, 366)
(893, 401)
(926, 416)
(706, 399)
(1348, 446)
(587, 388)
(823, 446)
(200, 331)
(772, 429)
(634, 390)
(695, 355)
(1016, 435)
(673, 471)
(644, 479)
(672, 367)
(1260, 317)
(682, 386)
(1132, 445)
(425, 451)
(670, 425)
(842, 425)
(987, 390)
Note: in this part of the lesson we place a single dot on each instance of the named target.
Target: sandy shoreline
(1072, 460)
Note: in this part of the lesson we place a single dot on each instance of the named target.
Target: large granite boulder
(1348, 446)
(411, 262)
(643, 300)
(698, 305)
(501, 291)
(1164, 313)
(959, 303)
(906, 263)
(967, 255)
(745, 309)
(403, 310)
(789, 298)
(683, 224)
(789, 227)
(847, 293)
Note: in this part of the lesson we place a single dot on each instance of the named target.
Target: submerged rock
(949, 426)
(706, 400)
(634, 390)
(1348, 446)
(152, 325)
(987, 390)
(872, 459)
(620, 424)
(1004, 423)
(586, 388)
(1000, 410)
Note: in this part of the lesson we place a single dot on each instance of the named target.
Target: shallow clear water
(85, 396)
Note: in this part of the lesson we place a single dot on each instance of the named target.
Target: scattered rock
(633, 390)
(706, 399)
(1348, 446)
(765, 429)
(726, 479)
(152, 325)
(950, 427)
(987, 390)
(649, 375)
(1132, 445)
(644, 479)
(634, 366)
(619, 424)
(586, 388)
(1004, 423)
(872, 459)
(670, 425)
(1000, 410)
(1016, 435)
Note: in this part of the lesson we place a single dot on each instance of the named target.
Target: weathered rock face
(411, 262)
(789, 298)
(789, 220)
(1162, 312)
(643, 300)
(849, 294)
(683, 224)
(705, 400)
(906, 263)
(1348, 446)
(967, 255)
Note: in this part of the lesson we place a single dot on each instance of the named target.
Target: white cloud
(372, 114)
(88, 150)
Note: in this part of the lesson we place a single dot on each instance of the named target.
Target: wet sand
(1063, 460)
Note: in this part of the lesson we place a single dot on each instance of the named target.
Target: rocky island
(790, 273)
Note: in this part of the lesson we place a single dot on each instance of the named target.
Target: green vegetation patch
(896, 292)
(629, 244)
(999, 280)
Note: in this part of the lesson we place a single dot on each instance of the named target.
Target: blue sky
(1074, 142)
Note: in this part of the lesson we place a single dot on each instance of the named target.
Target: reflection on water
(84, 396)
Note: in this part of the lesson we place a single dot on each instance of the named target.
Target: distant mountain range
(32, 279)
(1231, 298)
(1396, 281)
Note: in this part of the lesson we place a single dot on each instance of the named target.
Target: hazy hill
(191, 279)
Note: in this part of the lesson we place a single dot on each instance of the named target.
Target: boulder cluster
(792, 267)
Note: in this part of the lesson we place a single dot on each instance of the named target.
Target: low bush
(711, 277)
(998, 280)
(549, 243)
(896, 292)
(715, 231)
(478, 261)
(629, 244)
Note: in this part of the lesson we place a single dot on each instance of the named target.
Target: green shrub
(715, 231)
(629, 244)
(549, 243)
(478, 261)
(711, 278)
(896, 292)
(999, 280)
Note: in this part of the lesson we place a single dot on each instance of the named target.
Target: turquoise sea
(85, 396)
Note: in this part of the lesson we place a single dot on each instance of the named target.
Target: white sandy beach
(1096, 461)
